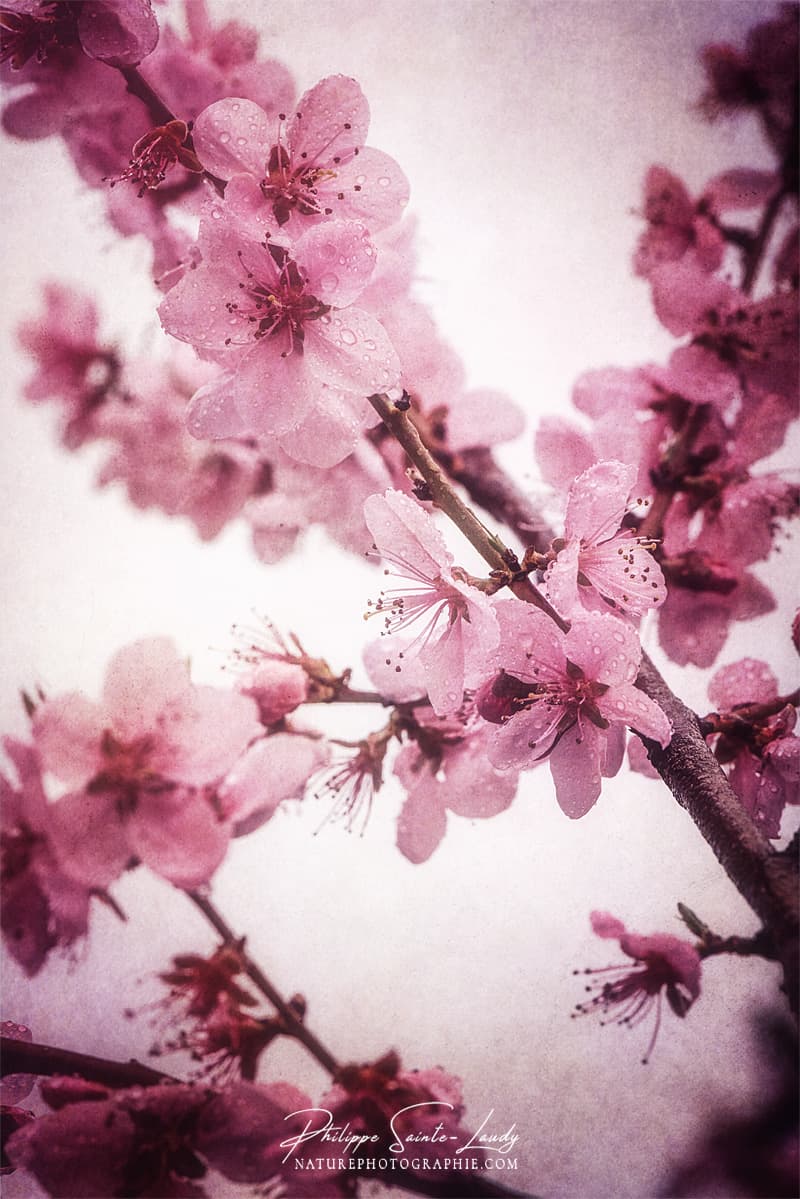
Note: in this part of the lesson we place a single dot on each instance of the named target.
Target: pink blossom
(394, 1105)
(675, 225)
(446, 770)
(42, 907)
(276, 769)
(302, 496)
(601, 562)
(754, 737)
(315, 166)
(569, 696)
(460, 626)
(243, 1132)
(143, 766)
(118, 32)
(134, 1142)
(662, 965)
(72, 364)
(704, 598)
(283, 317)
(157, 460)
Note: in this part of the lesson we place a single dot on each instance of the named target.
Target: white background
(525, 129)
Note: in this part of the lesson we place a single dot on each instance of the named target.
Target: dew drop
(330, 281)
(348, 337)
(384, 181)
(225, 137)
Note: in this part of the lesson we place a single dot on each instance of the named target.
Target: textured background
(525, 129)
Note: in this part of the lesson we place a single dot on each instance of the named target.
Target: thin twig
(294, 1025)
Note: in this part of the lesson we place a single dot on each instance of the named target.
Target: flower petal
(350, 349)
(233, 137)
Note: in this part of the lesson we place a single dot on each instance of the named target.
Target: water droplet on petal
(384, 181)
(348, 337)
(225, 137)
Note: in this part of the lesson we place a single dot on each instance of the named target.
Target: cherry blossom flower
(675, 225)
(754, 737)
(382, 1100)
(143, 766)
(460, 627)
(135, 1142)
(662, 965)
(118, 32)
(316, 165)
(284, 318)
(569, 696)
(43, 908)
(72, 364)
(273, 770)
(598, 560)
(445, 769)
(761, 77)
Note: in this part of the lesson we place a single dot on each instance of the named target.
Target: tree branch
(687, 765)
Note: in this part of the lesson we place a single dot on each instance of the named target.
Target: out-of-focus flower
(143, 767)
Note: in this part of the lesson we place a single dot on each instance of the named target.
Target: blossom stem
(294, 1025)
(755, 252)
(161, 113)
(29, 1057)
(758, 946)
(765, 878)
(444, 496)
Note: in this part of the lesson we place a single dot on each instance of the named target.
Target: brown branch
(764, 877)
(25, 1057)
(294, 1025)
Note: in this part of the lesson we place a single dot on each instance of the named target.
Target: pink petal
(178, 835)
(612, 750)
(203, 733)
(274, 394)
(118, 32)
(338, 258)
(233, 137)
(421, 825)
(483, 418)
(597, 501)
(331, 120)
(562, 450)
(350, 349)
(561, 580)
(606, 925)
(194, 309)
(747, 681)
(474, 788)
(275, 769)
(212, 413)
(141, 680)
(395, 679)
(88, 839)
(370, 186)
(330, 431)
(740, 188)
(575, 766)
(624, 571)
(403, 531)
(606, 649)
(443, 663)
(67, 732)
(626, 703)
